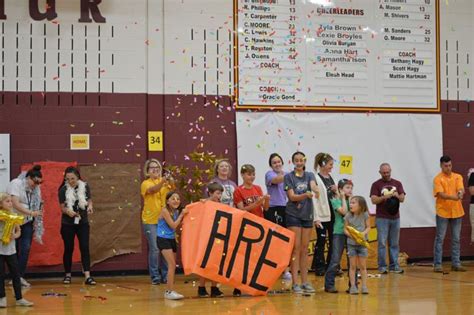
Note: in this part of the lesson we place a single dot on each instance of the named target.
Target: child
(358, 218)
(300, 186)
(340, 205)
(8, 255)
(249, 197)
(214, 190)
(170, 218)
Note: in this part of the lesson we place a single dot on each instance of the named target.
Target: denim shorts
(357, 250)
(294, 221)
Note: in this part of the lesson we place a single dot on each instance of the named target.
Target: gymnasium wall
(166, 65)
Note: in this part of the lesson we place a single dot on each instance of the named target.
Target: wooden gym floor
(417, 291)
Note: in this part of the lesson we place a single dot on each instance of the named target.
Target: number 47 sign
(345, 164)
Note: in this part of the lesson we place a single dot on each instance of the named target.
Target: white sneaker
(3, 302)
(308, 288)
(287, 275)
(25, 283)
(173, 295)
(23, 302)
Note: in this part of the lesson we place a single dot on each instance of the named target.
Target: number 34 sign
(345, 164)
(155, 140)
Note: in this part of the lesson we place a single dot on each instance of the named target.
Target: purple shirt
(377, 188)
(277, 192)
(228, 193)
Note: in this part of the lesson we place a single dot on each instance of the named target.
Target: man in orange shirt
(448, 189)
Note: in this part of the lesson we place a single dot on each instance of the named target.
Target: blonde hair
(218, 162)
(3, 196)
(147, 166)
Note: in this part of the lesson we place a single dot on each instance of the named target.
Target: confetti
(54, 294)
(90, 297)
(128, 288)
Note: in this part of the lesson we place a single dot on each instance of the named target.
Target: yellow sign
(345, 164)
(79, 141)
(155, 140)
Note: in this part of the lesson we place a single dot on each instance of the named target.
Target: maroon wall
(192, 121)
(458, 132)
(40, 125)
(40, 129)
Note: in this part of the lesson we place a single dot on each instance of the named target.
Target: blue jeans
(23, 246)
(441, 227)
(154, 255)
(338, 244)
(388, 229)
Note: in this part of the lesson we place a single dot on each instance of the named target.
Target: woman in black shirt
(76, 205)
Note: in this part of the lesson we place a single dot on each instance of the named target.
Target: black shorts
(166, 243)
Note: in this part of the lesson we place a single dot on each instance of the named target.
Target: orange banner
(234, 247)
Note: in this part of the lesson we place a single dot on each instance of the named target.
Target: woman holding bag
(323, 213)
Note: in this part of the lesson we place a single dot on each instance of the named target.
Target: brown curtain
(115, 223)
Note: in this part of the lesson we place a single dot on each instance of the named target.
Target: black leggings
(68, 231)
(320, 264)
(12, 263)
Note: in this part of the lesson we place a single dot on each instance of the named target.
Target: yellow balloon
(357, 236)
(10, 221)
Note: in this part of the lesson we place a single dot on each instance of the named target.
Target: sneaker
(458, 268)
(438, 269)
(365, 290)
(202, 293)
(215, 292)
(173, 295)
(320, 273)
(287, 275)
(3, 302)
(308, 288)
(24, 283)
(23, 302)
(383, 271)
(353, 290)
(155, 281)
(339, 273)
(330, 290)
(297, 288)
(236, 292)
(398, 270)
